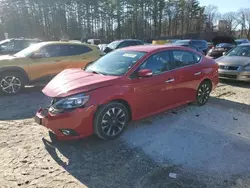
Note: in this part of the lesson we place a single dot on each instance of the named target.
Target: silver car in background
(235, 65)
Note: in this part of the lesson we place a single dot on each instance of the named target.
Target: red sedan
(125, 85)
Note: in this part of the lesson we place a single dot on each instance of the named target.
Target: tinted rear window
(78, 49)
(199, 43)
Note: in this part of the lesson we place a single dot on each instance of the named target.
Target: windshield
(4, 41)
(28, 51)
(115, 63)
(240, 51)
(113, 45)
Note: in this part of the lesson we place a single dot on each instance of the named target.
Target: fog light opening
(69, 132)
(66, 132)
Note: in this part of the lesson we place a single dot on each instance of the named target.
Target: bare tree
(212, 16)
(244, 18)
(232, 20)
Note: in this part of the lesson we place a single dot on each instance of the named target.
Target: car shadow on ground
(97, 163)
(23, 105)
(131, 161)
(235, 83)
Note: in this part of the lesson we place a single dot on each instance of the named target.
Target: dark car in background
(210, 45)
(201, 44)
(222, 44)
(193, 47)
(242, 41)
(121, 44)
(14, 45)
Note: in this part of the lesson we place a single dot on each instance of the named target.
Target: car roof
(188, 40)
(64, 42)
(25, 39)
(41, 44)
(152, 48)
(127, 40)
(244, 44)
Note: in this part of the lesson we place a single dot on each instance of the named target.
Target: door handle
(197, 73)
(170, 80)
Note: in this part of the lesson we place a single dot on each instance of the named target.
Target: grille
(228, 76)
(228, 67)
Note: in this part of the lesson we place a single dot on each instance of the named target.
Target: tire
(203, 93)
(11, 83)
(111, 120)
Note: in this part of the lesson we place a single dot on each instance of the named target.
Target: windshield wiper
(96, 72)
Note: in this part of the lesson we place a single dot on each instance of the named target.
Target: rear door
(189, 73)
(78, 56)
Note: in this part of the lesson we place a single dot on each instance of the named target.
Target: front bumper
(78, 121)
(234, 75)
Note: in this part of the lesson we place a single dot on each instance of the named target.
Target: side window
(133, 43)
(19, 45)
(25, 44)
(158, 63)
(8, 46)
(50, 51)
(123, 44)
(185, 58)
(139, 43)
(78, 50)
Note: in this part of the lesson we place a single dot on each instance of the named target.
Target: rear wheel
(111, 120)
(11, 83)
(203, 93)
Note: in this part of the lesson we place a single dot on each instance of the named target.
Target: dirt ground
(205, 146)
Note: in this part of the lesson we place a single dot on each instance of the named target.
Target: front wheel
(110, 120)
(11, 83)
(203, 93)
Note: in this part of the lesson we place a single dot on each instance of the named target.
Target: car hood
(74, 81)
(233, 60)
(223, 39)
(6, 57)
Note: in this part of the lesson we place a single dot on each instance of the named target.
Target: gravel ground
(205, 146)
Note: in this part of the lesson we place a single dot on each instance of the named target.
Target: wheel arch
(15, 69)
(209, 81)
(122, 101)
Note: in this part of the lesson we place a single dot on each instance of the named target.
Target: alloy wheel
(113, 121)
(203, 93)
(10, 84)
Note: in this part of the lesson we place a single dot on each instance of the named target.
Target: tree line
(113, 19)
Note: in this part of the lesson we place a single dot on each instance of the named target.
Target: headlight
(75, 101)
(247, 67)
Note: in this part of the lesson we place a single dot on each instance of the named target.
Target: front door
(154, 93)
(46, 62)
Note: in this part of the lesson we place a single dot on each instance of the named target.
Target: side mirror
(144, 73)
(37, 55)
(224, 53)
